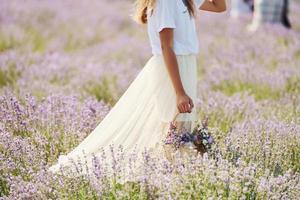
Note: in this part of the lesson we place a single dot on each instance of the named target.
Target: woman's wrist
(180, 91)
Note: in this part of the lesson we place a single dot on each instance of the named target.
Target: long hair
(142, 6)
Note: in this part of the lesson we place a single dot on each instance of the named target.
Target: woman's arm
(184, 102)
(213, 5)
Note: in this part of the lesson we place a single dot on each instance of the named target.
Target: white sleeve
(165, 14)
(199, 3)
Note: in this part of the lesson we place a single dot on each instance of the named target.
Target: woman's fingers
(188, 108)
(191, 103)
(185, 107)
(180, 108)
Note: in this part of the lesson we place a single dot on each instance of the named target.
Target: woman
(166, 85)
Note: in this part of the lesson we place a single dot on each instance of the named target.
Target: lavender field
(64, 64)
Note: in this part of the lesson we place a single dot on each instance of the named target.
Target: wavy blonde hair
(141, 7)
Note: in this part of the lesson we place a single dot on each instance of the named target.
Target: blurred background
(64, 64)
(94, 48)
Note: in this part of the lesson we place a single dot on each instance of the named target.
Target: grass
(260, 92)
(7, 42)
(9, 76)
(103, 89)
(4, 188)
(37, 40)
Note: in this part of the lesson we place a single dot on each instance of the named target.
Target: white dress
(138, 119)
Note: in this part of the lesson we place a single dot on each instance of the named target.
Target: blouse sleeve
(165, 14)
(199, 3)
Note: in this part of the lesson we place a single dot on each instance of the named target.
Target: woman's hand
(184, 103)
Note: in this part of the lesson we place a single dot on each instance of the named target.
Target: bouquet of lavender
(199, 139)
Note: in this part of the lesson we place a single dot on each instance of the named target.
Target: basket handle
(175, 116)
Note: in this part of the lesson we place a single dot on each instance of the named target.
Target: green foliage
(222, 121)
(296, 55)
(29, 36)
(78, 40)
(293, 85)
(260, 92)
(36, 39)
(7, 42)
(9, 76)
(4, 189)
(103, 89)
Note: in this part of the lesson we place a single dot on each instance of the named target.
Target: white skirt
(138, 119)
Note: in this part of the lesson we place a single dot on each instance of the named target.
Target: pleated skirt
(140, 117)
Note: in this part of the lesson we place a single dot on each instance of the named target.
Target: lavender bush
(63, 65)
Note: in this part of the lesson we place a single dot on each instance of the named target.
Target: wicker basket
(187, 150)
